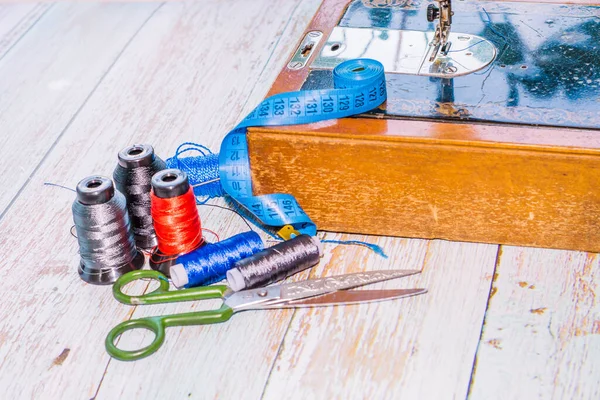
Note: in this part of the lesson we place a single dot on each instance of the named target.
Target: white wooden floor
(79, 81)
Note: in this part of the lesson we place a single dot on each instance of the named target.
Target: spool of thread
(210, 263)
(132, 175)
(106, 243)
(176, 219)
(275, 263)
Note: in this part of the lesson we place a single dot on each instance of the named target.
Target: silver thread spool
(275, 263)
(132, 175)
(104, 234)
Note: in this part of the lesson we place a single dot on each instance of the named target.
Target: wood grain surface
(52, 323)
(15, 21)
(542, 328)
(48, 75)
(386, 349)
(189, 71)
(433, 190)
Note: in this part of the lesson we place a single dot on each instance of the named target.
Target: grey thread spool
(104, 232)
(275, 263)
(132, 177)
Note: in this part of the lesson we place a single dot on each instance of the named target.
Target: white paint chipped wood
(190, 71)
(542, 331)
(417, 348)
(47, 76)
(15, 21)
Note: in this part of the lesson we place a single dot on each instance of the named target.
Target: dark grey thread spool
(106, 244)
(167, 184)
(132, 175)
(275, 263)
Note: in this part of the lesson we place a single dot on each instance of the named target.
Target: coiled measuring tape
(359, 87)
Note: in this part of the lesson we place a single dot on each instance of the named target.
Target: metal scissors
(329, 291)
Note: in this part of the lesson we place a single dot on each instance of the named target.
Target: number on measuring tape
(359, 87)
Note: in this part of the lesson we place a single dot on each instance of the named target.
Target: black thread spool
(104, 234)
(171, 184)
(132, 175)
(275, 263)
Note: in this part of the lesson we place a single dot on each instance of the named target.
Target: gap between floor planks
(541, 338)
(18, 19)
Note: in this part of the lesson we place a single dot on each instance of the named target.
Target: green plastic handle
(162, 294)
(158, 325)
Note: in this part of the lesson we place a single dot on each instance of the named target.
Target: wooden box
(452, 166)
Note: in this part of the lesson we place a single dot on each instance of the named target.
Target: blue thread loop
(202, 170)
(209, 263)
(359, 87)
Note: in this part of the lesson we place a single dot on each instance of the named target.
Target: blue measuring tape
(359, 87)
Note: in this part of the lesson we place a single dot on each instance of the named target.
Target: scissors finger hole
(135, 339)
(140, 286)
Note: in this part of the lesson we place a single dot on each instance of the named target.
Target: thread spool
(133, 173)
(106, 243)
(210, 263)
(275, 263)
(176, 220)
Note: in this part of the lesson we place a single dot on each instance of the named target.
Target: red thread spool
(173, 208)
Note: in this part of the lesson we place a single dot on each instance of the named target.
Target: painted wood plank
(416, 348)
(541, 338)
(172, 84)
(49, 73)
(45, 311)
(15, 20)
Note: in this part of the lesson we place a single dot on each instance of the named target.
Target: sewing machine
(490, 132)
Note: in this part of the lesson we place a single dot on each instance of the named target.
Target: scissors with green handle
(328, 291)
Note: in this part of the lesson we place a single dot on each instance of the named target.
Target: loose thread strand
(372, 246)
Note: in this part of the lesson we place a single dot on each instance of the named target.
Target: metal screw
(450, 69)
(263, 293)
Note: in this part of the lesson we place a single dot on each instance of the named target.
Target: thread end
(179, 275)
(319, 245)
(235, 280)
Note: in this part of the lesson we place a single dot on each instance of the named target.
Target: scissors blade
(345, 297)
(254, 299)
(321, 286)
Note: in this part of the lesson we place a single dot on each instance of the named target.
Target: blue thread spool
(209, 263)
(202, 169)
